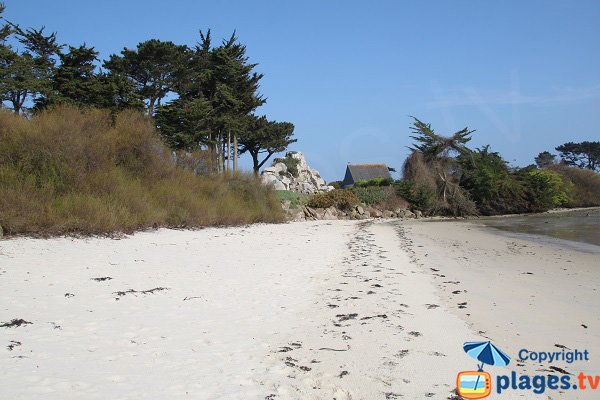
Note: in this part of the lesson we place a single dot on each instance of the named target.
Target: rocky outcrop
(293, 173)
(305, 213)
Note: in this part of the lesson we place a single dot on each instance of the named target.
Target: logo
(478, 384)
(474, 384)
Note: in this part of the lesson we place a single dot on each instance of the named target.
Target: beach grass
(67, 171)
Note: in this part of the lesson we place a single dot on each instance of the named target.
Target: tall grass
(65, 171)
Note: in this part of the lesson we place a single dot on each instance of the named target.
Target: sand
(310, 310)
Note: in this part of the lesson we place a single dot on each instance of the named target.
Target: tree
(153, 67)
(217, 90)
(265, 137)
(431, 167)
(583, 155)
(74, 81)
(25, 74)
(545, 159)
(434, 146)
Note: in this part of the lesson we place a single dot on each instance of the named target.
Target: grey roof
(365, 172)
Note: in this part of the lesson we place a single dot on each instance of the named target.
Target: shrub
(343, 199)
(370, 195)
(290, 163)
(336, 184)
(65, 171)
(374, 182)
(420, 196)
(585, 191)
(545, 189)
(296, 199)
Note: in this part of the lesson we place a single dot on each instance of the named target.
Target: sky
(350, 74)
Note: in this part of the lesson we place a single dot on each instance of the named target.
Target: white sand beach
(311, 310)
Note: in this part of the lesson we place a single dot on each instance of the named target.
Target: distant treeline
(443, 176)
(201, 98)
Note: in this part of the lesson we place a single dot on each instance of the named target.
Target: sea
(576, 226)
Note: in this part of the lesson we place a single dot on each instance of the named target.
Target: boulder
(307, 180)
(330, 213)
(388, 214)
(360, 210)
(418, 214)
(296, 214)
(375, 213)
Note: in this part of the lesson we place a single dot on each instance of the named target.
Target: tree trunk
(235, 153)
(228, 150)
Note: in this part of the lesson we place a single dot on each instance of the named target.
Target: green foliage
(64, 171)
(370, 195)
(374, 182)
(585, 184)
(545, 159)
(262, 136)
(582, 155)
(290, 163)
(545, 189)
(154, 68)
(421, 196)
(336, 184)
(296, 199)
(434, 146)
(343, 199)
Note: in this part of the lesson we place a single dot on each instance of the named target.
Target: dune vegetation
(66, 171)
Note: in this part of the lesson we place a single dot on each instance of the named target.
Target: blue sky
(348, 74)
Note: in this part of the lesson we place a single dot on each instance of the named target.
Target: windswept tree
(218, 89)
(263, 138)
(25, 73)
(583, 155)
(545, 159)
(431, 169)
(153, 67)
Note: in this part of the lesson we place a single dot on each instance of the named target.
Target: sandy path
(375, 331)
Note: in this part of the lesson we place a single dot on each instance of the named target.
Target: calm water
(578, 226)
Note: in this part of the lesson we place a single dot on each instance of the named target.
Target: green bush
(374, 182)
(290, 163)
(586, 185)
(64, 171)
(342, 199)
(420, 196)
(370, 195)
(336, 184)
(296, 199)
(545, 189)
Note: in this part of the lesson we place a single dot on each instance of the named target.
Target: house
(364, 172)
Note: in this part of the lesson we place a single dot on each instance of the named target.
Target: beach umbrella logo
(478, 384)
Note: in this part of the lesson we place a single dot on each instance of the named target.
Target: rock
(399, 212)
(297, 214)
(388, 214)
(310, 213)
(418, 214)
(375, 213)
(330, 213)
(360, 210)
(408, 214)
(307, 181)
(286, 204)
